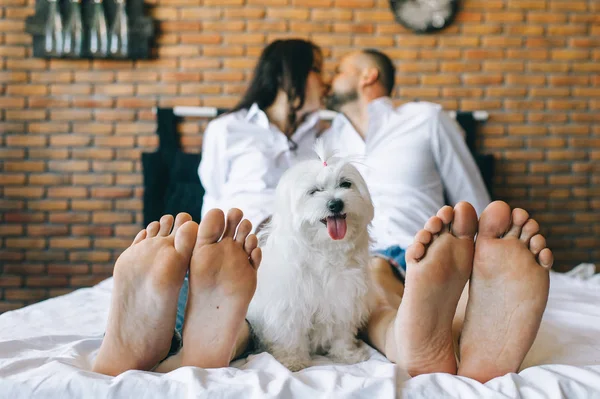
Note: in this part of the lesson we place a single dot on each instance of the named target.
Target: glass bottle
(73, 37)
(98, 37)
(118, 39)
(53, 30)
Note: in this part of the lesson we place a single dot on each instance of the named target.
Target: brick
(572, 5)
(47, 230)
(373, 16)
(112, 217)
(549, 92)
(12, 102)
(96, 76)
(570, 129)
(482, 79)
(114, 115)
(111, 192)
(45, 255)
(24, 166)
(70, 243)
(70, 115)
(483, 29)
(546, 143)
(586, 92)
(47, 205)
(92, 231)
(11, 230)
(439, 80)
(89, 256)
(459, 67)
(87, 128)
(112, 243)
(93, 153)
(12, 179)
(566, 104)
(25, 294)
(178, 51)
(16, 217)
(26, 141)
(46, 281)
(91, 205)
(67, 192)
(23, 192)
(564, 155)
(68, 166)
(44, 153)
(68, 269)
(503, 66)
(120, 89)
(25, 115)
(46, 102)
(25, 243)
(525, 80)
(348, 28)
(288, 13)
(525, 30)
(568, 80)
(524, 105)
(527, 130)
(86, 281)
(542, 117)
(418, 93)
(569, 54)
(441, 54)
(501, 41)
(71, 89)
(80, 64)
(112, 166)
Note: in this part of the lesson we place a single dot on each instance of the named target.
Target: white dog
(313, 281)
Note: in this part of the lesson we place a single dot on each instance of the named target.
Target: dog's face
(324, 202)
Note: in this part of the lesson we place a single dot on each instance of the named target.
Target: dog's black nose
(335, 205)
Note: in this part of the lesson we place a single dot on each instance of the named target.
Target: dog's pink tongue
(336, 227)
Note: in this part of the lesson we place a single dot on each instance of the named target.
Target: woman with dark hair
(245, 152)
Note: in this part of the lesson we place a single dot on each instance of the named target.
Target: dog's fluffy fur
(312, 290)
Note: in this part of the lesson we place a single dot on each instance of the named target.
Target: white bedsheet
(46, 351)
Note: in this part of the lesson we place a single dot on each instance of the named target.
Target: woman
(245, 152)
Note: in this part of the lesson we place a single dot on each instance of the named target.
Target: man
(411, 157)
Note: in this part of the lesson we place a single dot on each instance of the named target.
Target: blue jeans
(396, 258)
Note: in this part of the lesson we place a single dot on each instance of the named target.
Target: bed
(47, 349)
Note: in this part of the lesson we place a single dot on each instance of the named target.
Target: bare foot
(507, 295)
(147, 278)
(222, 283)
(439, 265)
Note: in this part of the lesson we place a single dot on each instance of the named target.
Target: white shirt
(410, 157)
(243, 158)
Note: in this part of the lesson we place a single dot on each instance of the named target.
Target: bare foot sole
(439, 265)
(147, 278)
(507, 294)
(222, 282)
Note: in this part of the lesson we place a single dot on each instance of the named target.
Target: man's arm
(460, 175)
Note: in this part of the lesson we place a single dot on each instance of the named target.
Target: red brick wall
(71, 132)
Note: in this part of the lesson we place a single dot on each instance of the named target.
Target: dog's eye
(346, 184)
(314, 190)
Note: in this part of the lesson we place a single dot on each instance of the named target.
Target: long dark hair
(283, 64)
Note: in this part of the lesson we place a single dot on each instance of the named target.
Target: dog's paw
(293, 363)
(349, 354)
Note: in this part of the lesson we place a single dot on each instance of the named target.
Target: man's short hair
(387, 70)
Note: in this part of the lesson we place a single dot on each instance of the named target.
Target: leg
(222, 282)
(147, 279)
(507, 295)
(386, 284)
(439, 265)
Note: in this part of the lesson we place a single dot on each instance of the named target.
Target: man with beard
(413, 158)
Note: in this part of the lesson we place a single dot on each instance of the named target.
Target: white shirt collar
(258, 116)
(376, 109)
